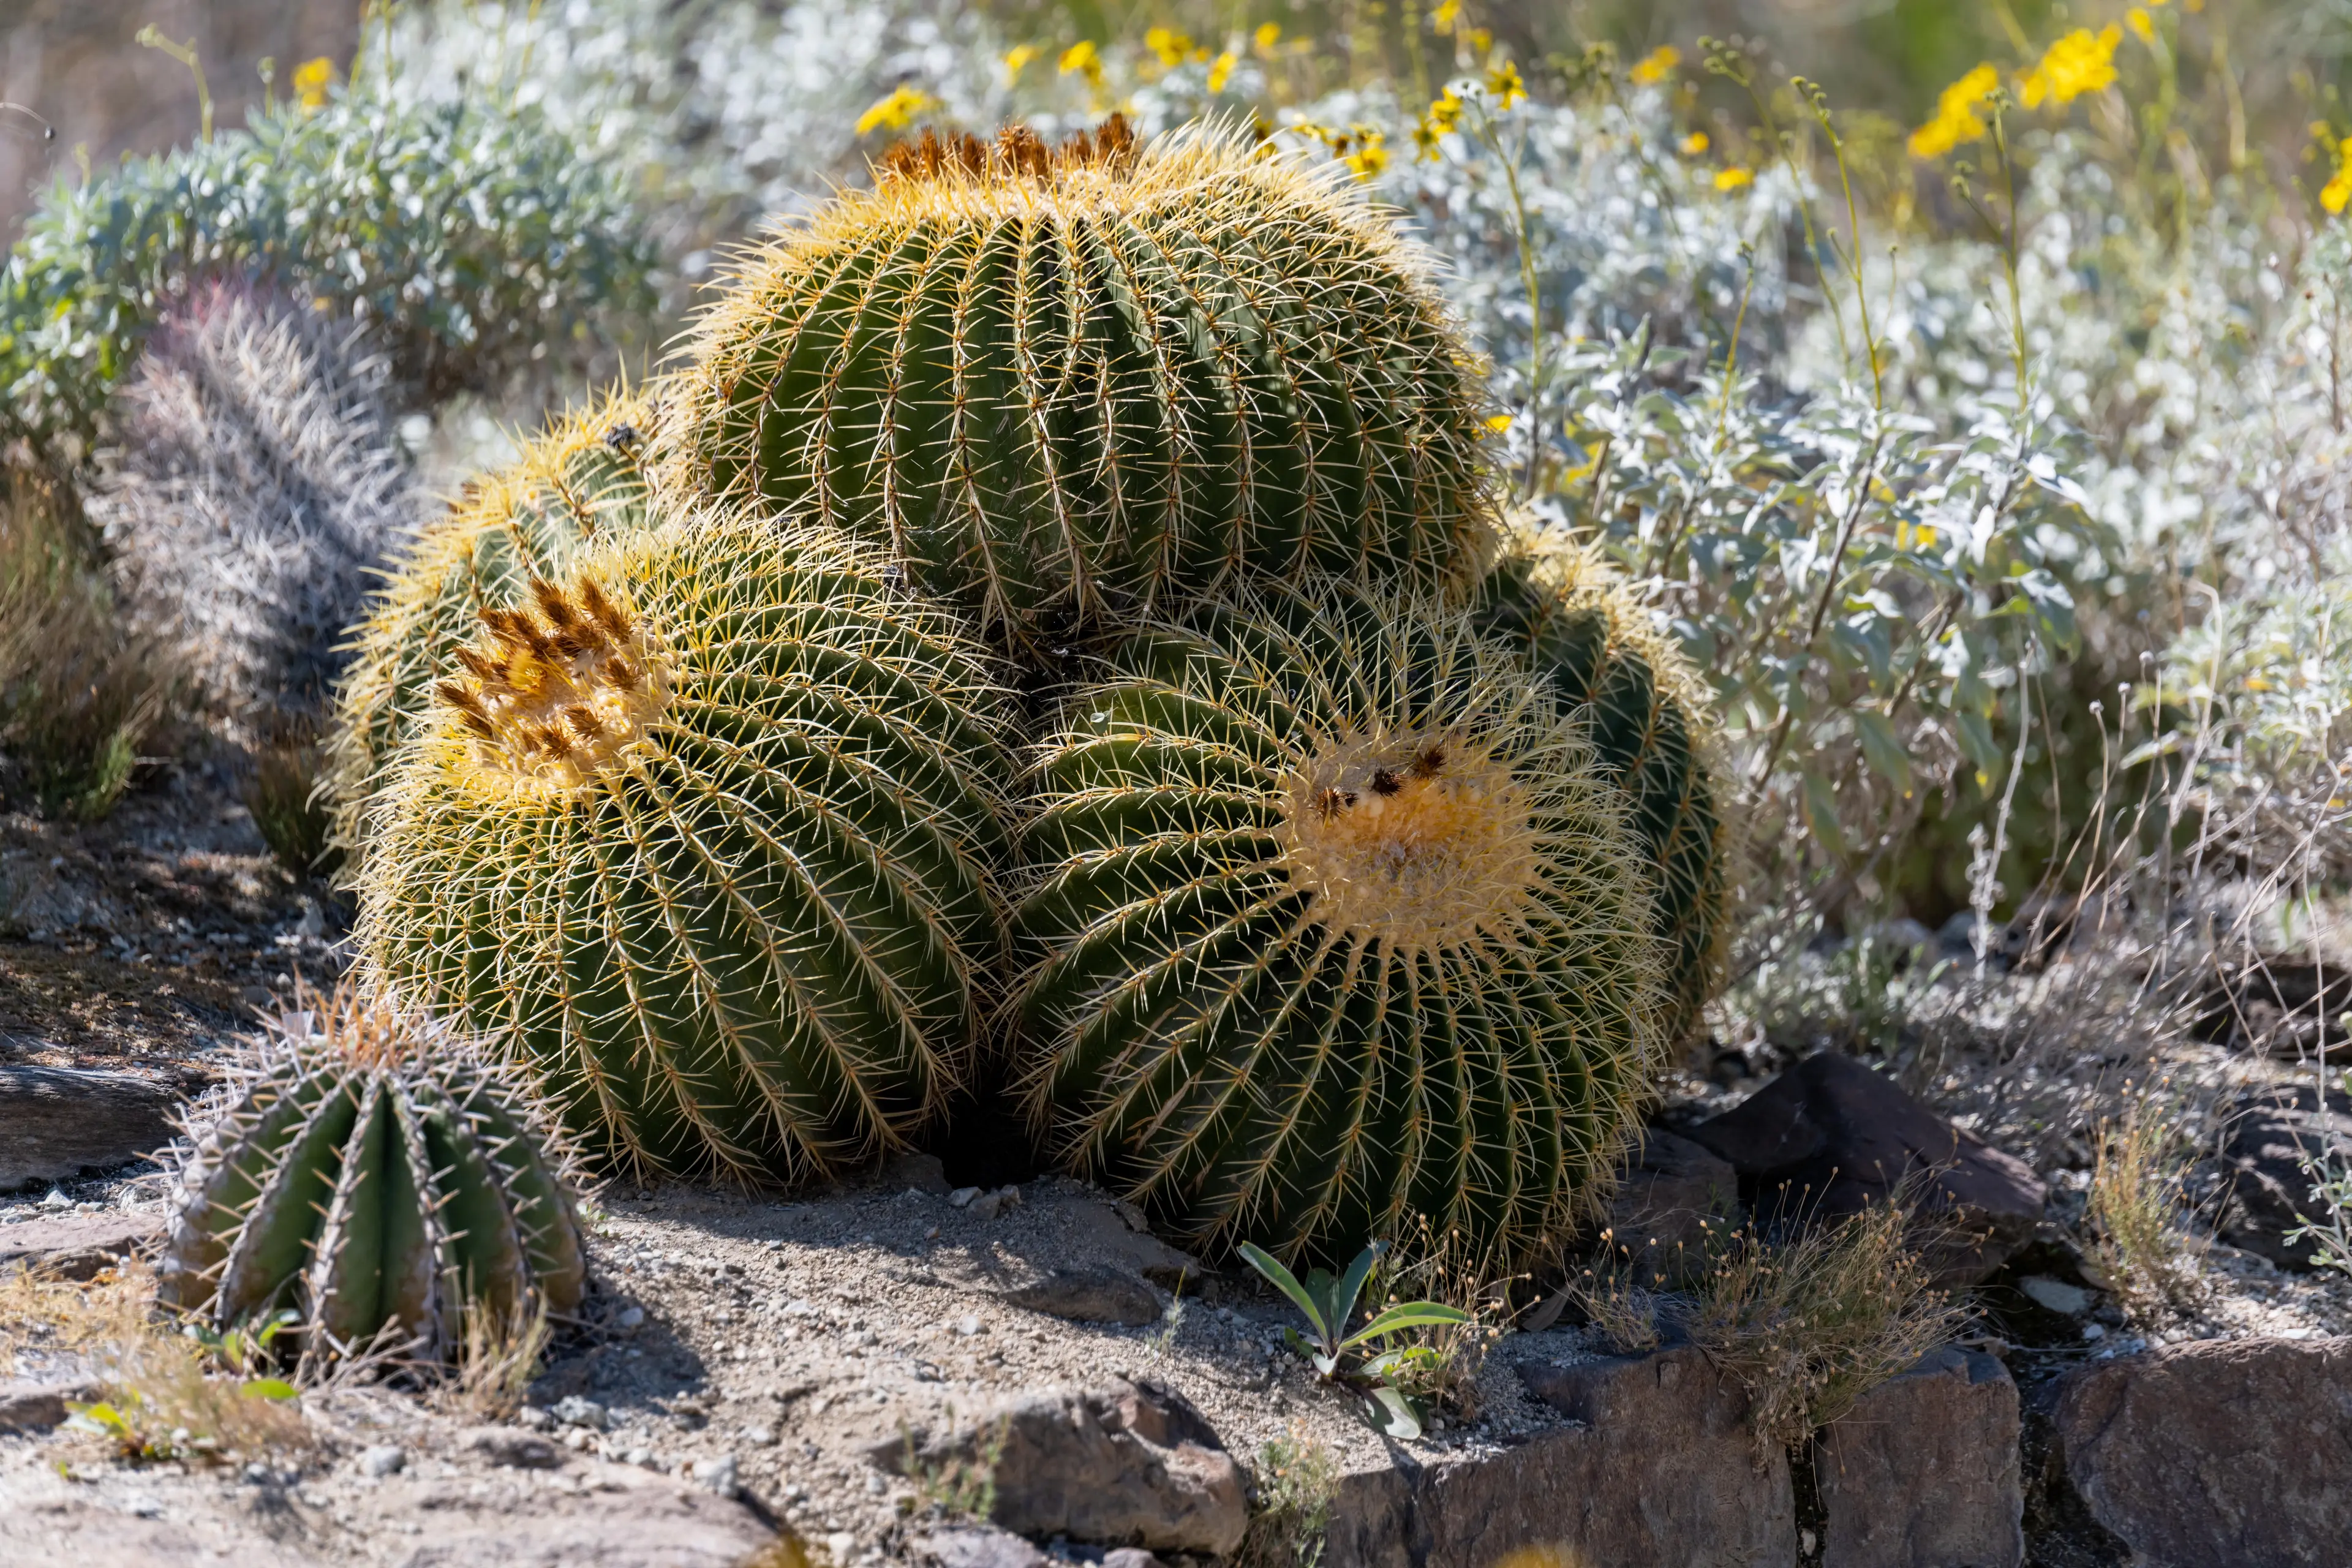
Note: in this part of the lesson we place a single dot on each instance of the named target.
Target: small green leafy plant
(1329, 1303)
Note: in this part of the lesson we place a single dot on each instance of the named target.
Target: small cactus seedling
(705, 832)
(1650, 719)
(254, 490)
(378, 1173)
(581, 483)
(1330, 922)
(1086, 381)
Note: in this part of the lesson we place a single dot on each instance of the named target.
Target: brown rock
(1089, 1296)
(1660, 1467)
(513, 1445)
(1830, 1136)
(977, 1546)
(76, 1247)
(2271, 1132)
(1125, 1463)
(1669, 1196)
(2219, 1455)
(38, 1406)
(1923, 1472)
(57, 1123)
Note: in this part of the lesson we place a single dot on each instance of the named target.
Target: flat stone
(1658, 1467)
(642, 1521)
(1121, 1464)
(1830, 1136)
(2271, 1131)
(57, 1123)
(1089, 1296)
(28, 1406)
(2055, 1295)
(977, 1546)
(1923, 1471)
(514, 1447)
(76, 1247)
(2221, 1454)
(1672, 1196)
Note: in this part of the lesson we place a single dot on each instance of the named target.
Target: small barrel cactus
(1330, 922)
(1649, 718)
(1058, 384)
(705, 831)
(380, 1175)
(582, 482)
(253, 491)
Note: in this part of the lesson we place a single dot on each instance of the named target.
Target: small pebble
(383, 1459)
(968, 1326)
(631, 1318)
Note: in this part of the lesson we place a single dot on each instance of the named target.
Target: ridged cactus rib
(706, 833)
(1330, 924)
(378, 1173)
(1059, 384)
(583, 481)
(1650, 719)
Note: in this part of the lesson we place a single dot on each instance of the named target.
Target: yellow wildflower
(1481, 40)
(1268, 34)
(1171, 46)
(1498, 423)
(1692, 145)
(1441, 20)
(2142, 28)
(1017, 58)
(1220, 70)
(1081, 56)
(1957, 120)
(2339, 189)
(1370, 156)
(1733, 178)
(311, 80)
(896, 112)
(1444, 112)
(1504, 82)
(2078, 63)
(1656, 66)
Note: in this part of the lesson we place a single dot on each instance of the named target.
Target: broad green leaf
(1284, 1280)
(1882, 747)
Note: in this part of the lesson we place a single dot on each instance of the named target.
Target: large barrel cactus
(584, 480)
(1331, 922)
(1061, 382)
(705, 830)
(1650, 722)
(379, 1173)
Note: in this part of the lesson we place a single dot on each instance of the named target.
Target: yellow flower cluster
(896, 112)
(1361, 147)
(1017, 61)
(1441, 118)
(1083, 59)
(1172, 48)
(2338, 192)
(1656, 66)
(2078, 63)
(1731, 179)
(1957, 120)
(311, 81)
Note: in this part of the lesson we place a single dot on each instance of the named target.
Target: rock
(76, 1247)
(1660, 1467)
(383, 1459)
(1669, 1193)
(716, 1476)
(2271, 1131)
(642, 1523)
(1089, 1296)
(57, 1123)
(510, 1447)
(1923, 1471)
(2218, 1454)
(2281, 1006)
(27, 1406)
(1830, 1136)
(1131, 1557)
(2055, 1295)
(914, 1173)
(572, 1410)
(977, 1546)
(1123, 1464)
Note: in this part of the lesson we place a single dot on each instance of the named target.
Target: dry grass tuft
(1296, 1481)
(2139, 1242)
(1809, 1324)
(498, 1356)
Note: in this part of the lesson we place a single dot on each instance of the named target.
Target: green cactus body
(379, 1174)
(706, 835)
(583, 481)
(1061, 385)
(1329, 923)
(1649, 719)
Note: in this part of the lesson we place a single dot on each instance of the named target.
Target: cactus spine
(1329, 921)
(378, 1173)
(1649, 719)
(705, 832)
(1096, 379)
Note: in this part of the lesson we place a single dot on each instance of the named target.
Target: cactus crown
(555, 697)
(1018, 153)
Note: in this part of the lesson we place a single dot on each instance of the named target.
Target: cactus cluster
(1350, 883)
(1072, 385)
(253, 491)
(1329, 924)
(706, 830)
(377, 1174)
